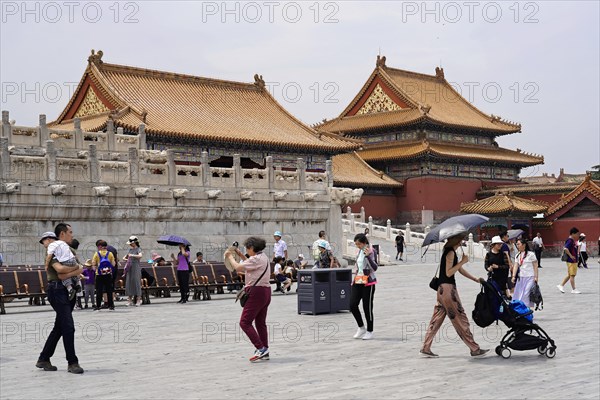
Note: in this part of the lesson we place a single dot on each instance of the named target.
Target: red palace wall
(555, 236)
(380, 207)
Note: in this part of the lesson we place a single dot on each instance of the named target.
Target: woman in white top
(582, 248)
(526, 266)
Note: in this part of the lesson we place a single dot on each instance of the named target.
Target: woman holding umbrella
(448, 302)
(183, 271)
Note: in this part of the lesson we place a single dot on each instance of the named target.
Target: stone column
(94, 166)
(142, 136)
(43, 130)
(329, 169)
(78, 134)
(237, 170)
(110, 135)
(51, 167)
(205, 169)
(4, 158)
(134, 165)
(270, 171)
(334, 228)
(171, 169)
(301, 168)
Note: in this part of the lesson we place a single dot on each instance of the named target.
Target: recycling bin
(341, 281)
(314, 291)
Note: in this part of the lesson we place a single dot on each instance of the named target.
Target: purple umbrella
(172, 240)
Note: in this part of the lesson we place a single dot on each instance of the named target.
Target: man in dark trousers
(58, 296)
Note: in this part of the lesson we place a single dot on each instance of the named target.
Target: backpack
(104, 266)
(535, 296)
(487, 306)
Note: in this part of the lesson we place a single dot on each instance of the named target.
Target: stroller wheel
(541, 349)
(498, 350)
(505, 352)
(550, 352)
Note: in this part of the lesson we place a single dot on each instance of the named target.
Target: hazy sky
(536, 63)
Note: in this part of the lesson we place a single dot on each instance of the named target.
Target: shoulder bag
(435, 281)
(243, 295)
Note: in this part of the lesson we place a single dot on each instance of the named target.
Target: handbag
(564, 257)
(435, 281)
(243, 295)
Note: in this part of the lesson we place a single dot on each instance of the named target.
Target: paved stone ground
(167, 350)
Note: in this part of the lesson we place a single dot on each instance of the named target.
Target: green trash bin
(314, 291)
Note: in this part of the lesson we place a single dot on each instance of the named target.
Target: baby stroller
(523, 334)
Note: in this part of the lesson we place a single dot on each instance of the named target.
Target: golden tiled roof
(350, 169)
(587, 186)
(184, 106)
(530, 188)
(429, 98)
(411, 150)
(504, 204)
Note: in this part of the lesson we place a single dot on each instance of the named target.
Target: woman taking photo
(183, 271)
(363, 287)
(448, 302)
(133, 272)
(525, 273)
(257, 269)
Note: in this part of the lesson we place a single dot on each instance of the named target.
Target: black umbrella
(172, 240)
(452, 227)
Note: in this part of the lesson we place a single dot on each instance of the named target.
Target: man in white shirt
(538, 246)
(280, 247)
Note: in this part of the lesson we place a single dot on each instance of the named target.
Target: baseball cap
(48, 235)
(277, 233)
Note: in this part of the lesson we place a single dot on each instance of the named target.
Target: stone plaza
(197, 350)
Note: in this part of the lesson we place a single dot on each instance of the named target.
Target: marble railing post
(205, 169)
(43, 130)
(94, 165)
(371, 227)
(362, 214)
(348, 212)
(301, 168)
(78, 134)
(329, 170)
(142, 136)
(388, 230)
(51, 167)
(134, 165)
(110, 135)
(171, 169)
(4, 158)
(237, 170)
(6, 127)
(270, 171)
(407, 236)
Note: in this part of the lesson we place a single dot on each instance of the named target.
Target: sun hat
(87, 263)
(48, 235)
(300, 255)
(132, 239)
(496, 240)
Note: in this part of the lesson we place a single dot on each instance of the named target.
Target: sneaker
(360, 333)
(129, 303)
(479, 353)
(75, 369)
(139, 303)
(45, 365)
(72, 293)
(111, 309)
(539, 266)
(561, 288)
(367, 336)
(575, 291)
(428, 354)
(260, 354)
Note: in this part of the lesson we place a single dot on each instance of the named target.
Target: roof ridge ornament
(258, 81)
(495, 118)
(424, 108)
(380, 62)
(439, 73)
(96, 58)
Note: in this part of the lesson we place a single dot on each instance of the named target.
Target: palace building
(423, 134)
